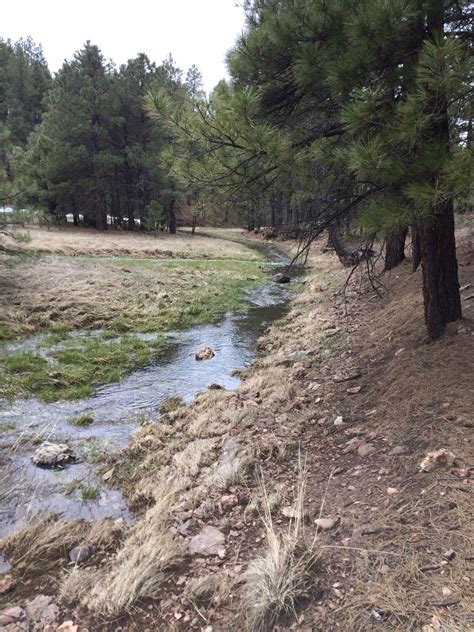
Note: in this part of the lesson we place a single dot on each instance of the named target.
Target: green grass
(83, 420)
(77, 370)
(7, 427)
(90, 493)
(170, 404)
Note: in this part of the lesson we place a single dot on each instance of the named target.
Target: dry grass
(74, 241)
(43, 544)
(284, 573)
(143, 563)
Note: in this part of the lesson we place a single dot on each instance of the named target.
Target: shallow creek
(27, 490)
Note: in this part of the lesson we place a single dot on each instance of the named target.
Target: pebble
(81, 553)
(7, 584)
(365, 449)
(325, 523)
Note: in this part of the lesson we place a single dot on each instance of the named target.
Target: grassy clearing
(61, 294)
(77, 369)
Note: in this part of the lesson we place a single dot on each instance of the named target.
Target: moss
(85, 419)
(7, 427)
(90, 493)
(170, 404)
(75, 371)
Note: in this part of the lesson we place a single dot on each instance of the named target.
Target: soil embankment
(339, 412)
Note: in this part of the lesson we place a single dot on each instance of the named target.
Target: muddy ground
(340, 410)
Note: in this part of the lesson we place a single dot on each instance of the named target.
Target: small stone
(215, 387)
(325, 523)
(338, 421)
(391, 491)
(52, 454)
(205, 354)
(67, 626)
(399, 450)
(281, 278)
(7, 584)
(229, 501)
(437, 458)
(81, 553)
(354, 390)
(365, 449)
(210, 541)
(449, 555)
(13, 619)
(108, 475)
(43, 612)
(292, 512)
(400, 351)
(464, 329)
(446, 591)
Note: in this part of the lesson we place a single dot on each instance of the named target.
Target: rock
(52, 454)
(215, 387)
(281, 278)
(338, 421)
(399, 351)
(67, 626)
(205, 354)
(464, 329)
(7, 583)
(210, 541)
(399, 450)
(325, 523)
(42, 612)
(81, 553)
(449, 555)
(438, 458)
(391, 491)
(13, 619)
(229, 501)
(365, 449)
(354, 390)
(345, 378)
(292, 512)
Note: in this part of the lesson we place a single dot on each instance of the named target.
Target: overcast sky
(193, 31)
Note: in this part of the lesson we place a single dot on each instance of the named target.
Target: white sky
(194, 31)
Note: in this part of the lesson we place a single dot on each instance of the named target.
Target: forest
(246, 314)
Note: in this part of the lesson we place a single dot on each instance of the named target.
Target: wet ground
(26, 490)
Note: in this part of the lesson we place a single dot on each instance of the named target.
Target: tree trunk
(193, 226)
(340, 247)
(440, 272)
(172, 218)
(415, 248)
(437, 240)
(395, 249)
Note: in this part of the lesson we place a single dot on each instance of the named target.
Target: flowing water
(27, 490)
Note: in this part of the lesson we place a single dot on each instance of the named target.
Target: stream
(27, 490)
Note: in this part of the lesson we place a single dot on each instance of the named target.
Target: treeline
(81, 144)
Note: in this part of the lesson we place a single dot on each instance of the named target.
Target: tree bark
(437, 239)
(172, 217)
(395, 249)
(340, 247)
(415, 248)
(440, 272)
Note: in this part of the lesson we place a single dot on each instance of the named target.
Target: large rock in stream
(53, 454)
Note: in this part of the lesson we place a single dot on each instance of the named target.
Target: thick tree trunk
(415, 248)
(440, 272)
(437, 240)
(395, 249)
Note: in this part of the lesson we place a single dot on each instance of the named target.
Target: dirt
(350, 387)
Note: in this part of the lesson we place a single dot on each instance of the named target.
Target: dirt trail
(352, 389)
